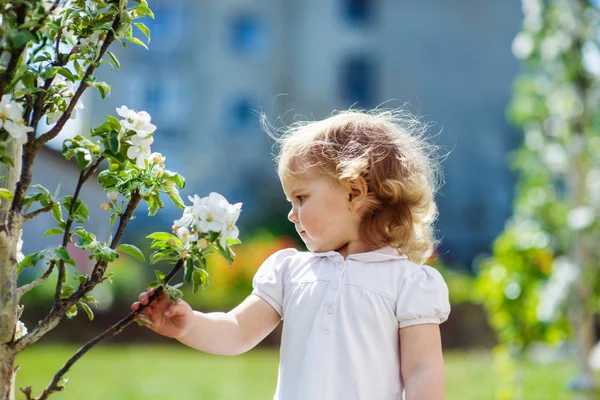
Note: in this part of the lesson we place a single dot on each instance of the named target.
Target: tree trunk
(7, 373)
(8, 276)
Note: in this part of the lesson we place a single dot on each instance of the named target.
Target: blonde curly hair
(389, 150)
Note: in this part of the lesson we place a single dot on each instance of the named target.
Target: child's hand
(169, 319)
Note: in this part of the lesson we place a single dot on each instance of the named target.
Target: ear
(357, 193)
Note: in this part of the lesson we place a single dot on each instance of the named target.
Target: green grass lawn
(142, 372)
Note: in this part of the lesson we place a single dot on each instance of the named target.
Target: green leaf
(189, 270)
(178, 201)
(87, 310)
(108, 254)
(71, 312)
(199, 279)
(136, 41)
(7, 160)
(113, 218)
(164, 236)
(144, 29)
(20, 38)
(67, 291)
(174, 293)
(57, 212)
(62, 253)
(161, 255)
(113, 141)
(132, 251)
(233, 242)
(82, 163)
(67, 74)
(142, 10)
(6, 194)
(114, 122)
(114, 59)
(103, 88)
(31, 260)
(143, 321)
(226, 253)
(159, 274)
(54, 231)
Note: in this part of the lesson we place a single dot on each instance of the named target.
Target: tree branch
(52, 133)
(110, 332)
(59, 308)
(35, 213)
(26, 288)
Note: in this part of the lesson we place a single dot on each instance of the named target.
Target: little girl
(360, 312)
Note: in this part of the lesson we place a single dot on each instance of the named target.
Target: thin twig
(35, 213)
(26, 288)
(51, 134)
(110, 332)
(58, 310)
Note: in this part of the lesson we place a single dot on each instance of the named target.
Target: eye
(301, 199)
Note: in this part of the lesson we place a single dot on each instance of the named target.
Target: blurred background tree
(542, 282)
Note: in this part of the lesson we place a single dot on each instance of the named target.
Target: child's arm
(234, 332)
(229, 333)
(422, 364)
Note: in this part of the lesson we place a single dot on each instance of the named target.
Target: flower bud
(171, 241)
(157, 158)
(105, 206)
(174, 228)
(160, 172)
(112, 195)
(183, 254)
(174, 192)
(170, 184)
(202, 243)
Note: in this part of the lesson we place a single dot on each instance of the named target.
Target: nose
(293, 216)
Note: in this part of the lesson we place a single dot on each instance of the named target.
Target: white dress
(341, 319)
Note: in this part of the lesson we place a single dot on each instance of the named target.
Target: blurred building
(213, 66)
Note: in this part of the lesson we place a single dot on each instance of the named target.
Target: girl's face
(321, 213)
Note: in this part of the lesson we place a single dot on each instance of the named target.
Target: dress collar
(383, 254)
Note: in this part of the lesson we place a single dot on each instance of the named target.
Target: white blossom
(230, 230)
(185, 235)
(20, 331)
(556, 290)
(136, 121)
(11, 119)
(139, 149)
(209, 214)
(112, 195)
(580, 218)
(522, 45)
(555, 157)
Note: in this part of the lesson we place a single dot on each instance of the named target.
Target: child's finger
(174, 309)
(135, 305)
(143, 298)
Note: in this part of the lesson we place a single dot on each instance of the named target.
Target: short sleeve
(268, 280)
(423, 298)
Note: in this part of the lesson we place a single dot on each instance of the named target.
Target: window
(242, 115)
(248, 35)
(358, 82)
(166, 27)
(358, 12)
(153, 99)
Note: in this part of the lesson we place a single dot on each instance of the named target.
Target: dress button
(334, 285)
(330, 310)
